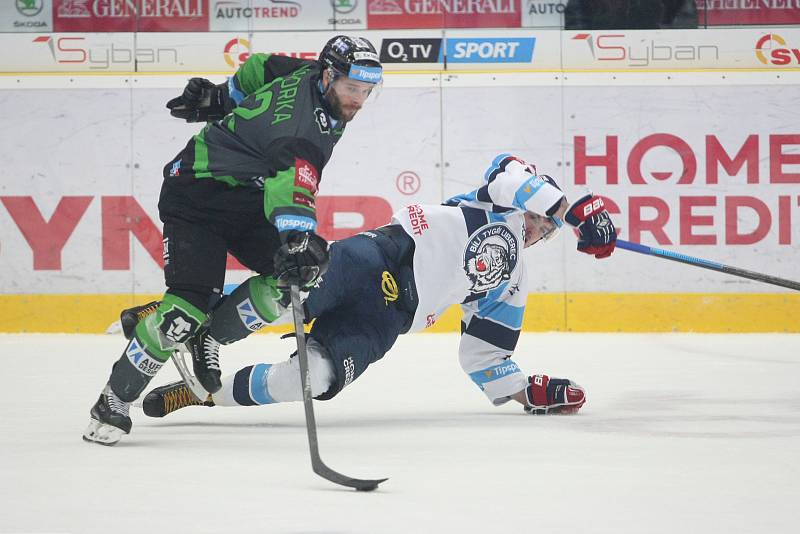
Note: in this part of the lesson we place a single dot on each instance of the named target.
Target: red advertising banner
(130, 15)
(744, 12)
(405, 14)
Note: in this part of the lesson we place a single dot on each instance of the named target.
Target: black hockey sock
(252, 305)
(133, 371)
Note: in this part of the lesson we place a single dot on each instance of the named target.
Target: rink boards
(563, 312)
(699, 160)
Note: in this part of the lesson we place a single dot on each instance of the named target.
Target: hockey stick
(706, 264)
(317, 464)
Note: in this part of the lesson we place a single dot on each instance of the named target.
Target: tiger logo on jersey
(490, 257)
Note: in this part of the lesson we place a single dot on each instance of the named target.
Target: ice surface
(681, 433)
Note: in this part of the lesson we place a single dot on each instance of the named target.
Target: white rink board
(426, 138)
(675, 437)
(530, 49)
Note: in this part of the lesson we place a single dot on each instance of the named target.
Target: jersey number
(263, 101)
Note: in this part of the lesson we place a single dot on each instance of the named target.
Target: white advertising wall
(691, 168)
(701, 161)
(82, 171)
(430, 50)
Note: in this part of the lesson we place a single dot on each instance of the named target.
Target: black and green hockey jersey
(278, 139)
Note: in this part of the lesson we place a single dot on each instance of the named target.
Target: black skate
(109, 419)
(130, 317)
(205, 359)
(166, 399)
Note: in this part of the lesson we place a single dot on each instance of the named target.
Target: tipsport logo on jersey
(459, 50)
(490, 257)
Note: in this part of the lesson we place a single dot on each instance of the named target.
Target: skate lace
(211, 352)
(179, 398)
(147, 310)
(116, 404)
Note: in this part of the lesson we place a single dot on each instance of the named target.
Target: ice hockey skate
(205, 359)
(109, 419)
(130, 317)
(171, 397)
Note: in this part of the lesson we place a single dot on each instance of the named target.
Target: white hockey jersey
(469, 251)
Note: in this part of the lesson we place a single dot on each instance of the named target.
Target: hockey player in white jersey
(401, 277)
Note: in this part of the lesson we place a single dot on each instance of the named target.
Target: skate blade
(102, 434)
(179, 358)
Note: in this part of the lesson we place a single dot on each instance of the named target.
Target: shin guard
(252, 305)
(154, 339)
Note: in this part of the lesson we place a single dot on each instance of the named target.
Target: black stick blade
(337, 478)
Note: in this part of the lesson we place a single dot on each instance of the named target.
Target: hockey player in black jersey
(245, 185)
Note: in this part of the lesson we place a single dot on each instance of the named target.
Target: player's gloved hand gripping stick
(597, 236)
(596, 232)
(302, 259)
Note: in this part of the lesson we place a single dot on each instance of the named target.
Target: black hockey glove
(201, 101)
(302, 259)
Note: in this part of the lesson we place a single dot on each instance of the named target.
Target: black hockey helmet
(354, 57)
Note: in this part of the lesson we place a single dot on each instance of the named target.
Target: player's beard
(341, 111)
